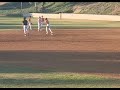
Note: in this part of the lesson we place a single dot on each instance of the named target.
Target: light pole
(35, 7)
(21, 7)
(35, 4)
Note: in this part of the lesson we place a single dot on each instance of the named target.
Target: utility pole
(35, 6)
(21, 7)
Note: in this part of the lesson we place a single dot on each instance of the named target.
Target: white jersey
(39, 20)
(29, 21)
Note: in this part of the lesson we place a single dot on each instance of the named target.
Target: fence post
(60, 15)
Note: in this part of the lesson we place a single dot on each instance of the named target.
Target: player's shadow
(59, 61)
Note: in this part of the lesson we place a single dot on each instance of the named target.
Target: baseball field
(80, 54)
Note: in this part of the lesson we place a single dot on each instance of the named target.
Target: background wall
(76, 16)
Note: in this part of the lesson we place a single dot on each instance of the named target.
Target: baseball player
(39, 24)
(48, 26)
(42, 21)
(29, 23)
(25, 27)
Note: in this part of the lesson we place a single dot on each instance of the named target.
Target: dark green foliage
(106, 8)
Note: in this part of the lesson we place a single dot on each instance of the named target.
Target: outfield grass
(56, 80)
(16, 23)
(25, 77)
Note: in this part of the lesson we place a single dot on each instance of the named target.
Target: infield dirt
(83, 50)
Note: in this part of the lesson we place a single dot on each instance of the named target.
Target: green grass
(56, 80)
(16, 23)
(26, 77)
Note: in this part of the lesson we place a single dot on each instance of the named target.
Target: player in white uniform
(29, 23)
(48, 27)
(42, 21)
(39, 24)
(25, 27)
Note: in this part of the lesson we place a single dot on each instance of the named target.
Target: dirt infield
(84, 50)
